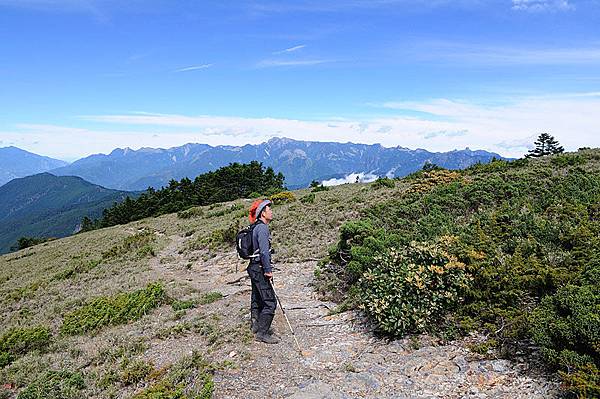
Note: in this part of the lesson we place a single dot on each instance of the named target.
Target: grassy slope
(39, 285)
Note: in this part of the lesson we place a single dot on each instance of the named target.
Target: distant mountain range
(300, 162)
(44, 205)
(15, 162)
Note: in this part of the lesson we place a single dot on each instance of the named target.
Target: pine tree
(545, 145)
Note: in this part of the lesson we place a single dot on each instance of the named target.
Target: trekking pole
(286, 318)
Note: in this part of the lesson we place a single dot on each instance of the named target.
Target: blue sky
(85, 76)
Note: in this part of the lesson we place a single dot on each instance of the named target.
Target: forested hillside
(224, 184)
(44, 206)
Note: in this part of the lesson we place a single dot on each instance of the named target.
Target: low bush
(134, 371)
(194, 212)
(139, 243)
(308, 198)
(411, 290)
(566, 326)
(283, 197)
(226, 211)
(53, 384)
(26, 242)
(17, 342)
(190, 378)
(222, 236)
(75, 267)
(210, 297)
(183, 305)
(316, 187)
(118, 309)
(563, 160)
(426, 181)
(383, 182)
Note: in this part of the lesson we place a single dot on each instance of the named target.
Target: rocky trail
(340, 358)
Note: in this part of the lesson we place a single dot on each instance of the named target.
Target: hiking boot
(264, 333)
(254, 321)
(267, 338)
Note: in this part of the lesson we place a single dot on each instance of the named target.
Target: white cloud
(291, 49)
(542, 5)
(351, 178)
(194, 68)
(508, 128)
(476, 54)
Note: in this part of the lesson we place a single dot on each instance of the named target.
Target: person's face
(267, 213)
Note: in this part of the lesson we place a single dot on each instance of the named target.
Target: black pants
(263, 299)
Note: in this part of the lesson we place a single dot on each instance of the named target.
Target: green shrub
(183, 305)
(6, 358)
(566, 326)
(190, 378)
(18, 341)
(141, 243)
(26, 242)
(308, 198)
(584, 381)
(54, 385)
(318, 188)
(135, 371)
(283, 197)
(411, 289)
(118, 309)
(563, 160)
(219, 237)
(383, 182)
(75, 267)
(226, 211)
(194, 212)
(210, 297)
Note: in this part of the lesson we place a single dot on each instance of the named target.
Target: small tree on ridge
(545, 145)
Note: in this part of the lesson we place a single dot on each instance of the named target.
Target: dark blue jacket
(261, 240)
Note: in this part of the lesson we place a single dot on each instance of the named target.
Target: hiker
(263, 302)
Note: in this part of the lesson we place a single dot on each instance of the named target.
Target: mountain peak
(280, 141)
(16, 162)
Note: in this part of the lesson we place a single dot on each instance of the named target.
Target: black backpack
(243, 242)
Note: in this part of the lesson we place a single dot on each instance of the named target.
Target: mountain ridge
(44, 205)
(16, 162)
(300, 161)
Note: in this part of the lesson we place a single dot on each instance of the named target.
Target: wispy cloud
(193, 68)
(291, 49)
(287, 63)
(542, 5)
(444, 124)
(475, 54)
(507, 127)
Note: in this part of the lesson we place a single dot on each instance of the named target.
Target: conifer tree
(545, 145)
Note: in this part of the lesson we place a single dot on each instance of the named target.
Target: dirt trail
(341, 358)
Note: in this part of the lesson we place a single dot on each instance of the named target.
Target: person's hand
(269, 275)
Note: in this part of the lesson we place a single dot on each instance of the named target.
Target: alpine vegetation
(510, 249)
